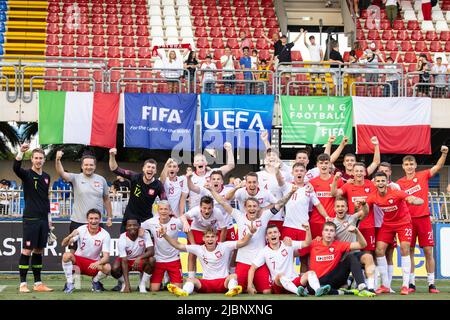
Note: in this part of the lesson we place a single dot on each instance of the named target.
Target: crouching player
(92, 255)
(279, 258)
(214, 258)
(135, 254)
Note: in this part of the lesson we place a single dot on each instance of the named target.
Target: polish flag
(402, 125)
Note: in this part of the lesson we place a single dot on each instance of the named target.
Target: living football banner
(237, 119)
(160, 121)
(312, 120)
(88, 118)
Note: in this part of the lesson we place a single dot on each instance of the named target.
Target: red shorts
(83, 264)
(393, 244)
(261, 281)
(173, 269)
(369, 235)
(198, 237)
(131, 265)
(422, 229)
(316, 229)
(387, 233)
(276, 289)
(213, 286)
(296, 235)
(278, 223)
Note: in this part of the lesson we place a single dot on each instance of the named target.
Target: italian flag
(88, 118)
(402, 125)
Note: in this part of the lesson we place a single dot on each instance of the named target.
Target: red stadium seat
(240, 12)
(388, 35)
(98, 41)
(129, 62)
(435, 46)
(113, 63)
(82, 52)
(83, 86)
(444, 36)
(267, 3)
(406, 46)
(144, 53)
(409, 57)
(258, 33)
(52, 51)
(413, 25)
(242, 23)
(447, 46)
(97, 9)
(197, 12)
(203, 43)
(143, 41)
(296, 55)
(145, 63)
(128, 41)
(254, 12)
(373, 35)
(237, 53)
(218, 53)
(212, 11)
(416, 35)
(228, 22)
(112, 30)
(201, 32)
(67, 51)
(269, 13)
(399, 25)
(128, 30)
(51, 73)
(113, 41)
(141, 31)
(112, 19)
(421, 46)
(113, 52)
(199, 22)
(233, 43)
(378, 44)
(67, 86)
(141, 20)
(431, 36)
(264, 54)
(385, 24)
(256, 23)
(98, 52)
(50, 85)
(222, 3)
(261, 44)
(97, 19)
(129, 53)
(54, 8)
(196, 2)
(68, 29)
(271, 23)
(360, 35)
(97, 29)
(126, 10)
(53, 18)
(214, 33)
(82, 40)
(402, 35)
(230, 32)
(391, 46)
(82, 29)
(140, 10)
(272, 31)
(111, 9)
(126, 20)
(202, 53)
(252, 3)
(214, 22)
(217, 43)
(52, 39)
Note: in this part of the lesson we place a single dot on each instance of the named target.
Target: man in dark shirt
(284, 55)
(36, 222)
(336, 58)
(144, 189)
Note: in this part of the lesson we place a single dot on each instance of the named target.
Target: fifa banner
(312, 120)
(402, 125)
(160, 121)
(237, 119)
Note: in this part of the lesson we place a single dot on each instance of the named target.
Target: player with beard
(176, 187)
(258, 217)
(350, 160)
(202, 172)
(145, 188)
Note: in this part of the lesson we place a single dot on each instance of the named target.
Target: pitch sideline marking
(2, 288)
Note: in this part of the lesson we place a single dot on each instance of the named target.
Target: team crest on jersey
(141, 243)
(181, 183)
(151, 192)
(415, 180)
(129, 252)
(258, 223)
(284, 253)
(367, 190)
(260, 200)
(345, 224)
(213, 222)
(97, 184)
(98, 243)
(46, 180)
(391, 201)
(331, 249)
(173, 226)
(218, 254)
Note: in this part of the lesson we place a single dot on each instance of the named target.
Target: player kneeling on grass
(135, 254)
(92, 255)
(279, 258)
(214, 258)
(325, 261)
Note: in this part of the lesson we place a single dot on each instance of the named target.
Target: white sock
(188, 287)
(191, 274)
(390, 273)
(376, 278)
(121, 279)
(412, 278)
(430, 278)
(68, 269)
(288, 284)
(382, 269)
(313, 280)
(232, 270)
(100, 275)
(406, 270)
(145, 279)
(371, 283)
(232, 284)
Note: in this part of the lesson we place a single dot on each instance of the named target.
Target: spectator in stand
(440, 74)
(255, 60)
(335, 57)
(245, 42)
(370, 58)
(263, 76)
(358, 50)
(173, 61)
(5, 197)
(353, 60)
(356, 7)
(391, 10)
(315, 54)
(227, 61)
(426, 10)
(423, 66)
(284, 56)
(209, 78)
(391, 78)
(276, 43)
(122, 185)
(191, 64)
(246, 64)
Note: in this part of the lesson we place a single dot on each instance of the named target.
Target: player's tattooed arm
(71, 238)
(174, 243)
(438, 166)
(280, 204)
(335, 192)
(415, 201)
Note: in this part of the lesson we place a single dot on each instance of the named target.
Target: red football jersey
(360, 193)
(393, 205)
(418, 187)
(323, 192)
(323, 259)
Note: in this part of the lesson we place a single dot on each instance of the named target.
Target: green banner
(312, 120)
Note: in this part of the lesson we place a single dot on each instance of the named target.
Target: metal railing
(431, 88)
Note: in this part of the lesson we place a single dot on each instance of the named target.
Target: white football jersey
(173, 190)
(91, 246)
(279, 261)
(216, 263)
(263, 196)
(199, 223)
(199, 181)
(310, 174)
(164, 252)
(297, 208)
(268, 182)
(258, 241)
(226, 217)
(132, 249)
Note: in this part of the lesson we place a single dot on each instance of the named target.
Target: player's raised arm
(415, 201)
(174, 243)
(163, 175)
(376, 156)
(230, 195)
(190, 184)
(278, 175)
(438, 166)
(336, 154)
(219, 199)
(230, 159)
(59, 167)
(363, 210)
(331, 140)
(17, 167)
(360, 240)
(280, 204)
(114, 167)
(335, 192)
(264, 135)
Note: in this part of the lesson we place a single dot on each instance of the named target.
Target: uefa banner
(237, 119)
(160, 121)
(312, 120)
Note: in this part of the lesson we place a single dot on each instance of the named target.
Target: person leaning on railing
(391, 78)
(263, 76)
(439, 74)
(423, 66)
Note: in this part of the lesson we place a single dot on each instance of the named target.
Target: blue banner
(160, 121)
(237, 119)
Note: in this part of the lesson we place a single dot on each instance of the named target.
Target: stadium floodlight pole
(320, 31)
